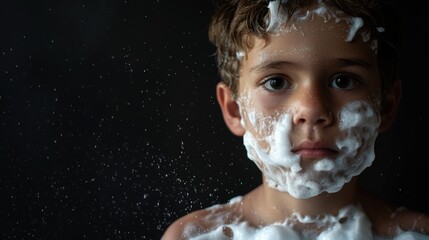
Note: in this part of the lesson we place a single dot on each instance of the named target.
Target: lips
(314, 149)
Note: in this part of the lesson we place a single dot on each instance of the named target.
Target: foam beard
(283, 169)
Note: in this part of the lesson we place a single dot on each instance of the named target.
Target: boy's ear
(230, 109)
(390, 105)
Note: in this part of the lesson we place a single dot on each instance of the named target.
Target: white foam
(278, 22)
(278, 18)
(350, 223)
(282, 168)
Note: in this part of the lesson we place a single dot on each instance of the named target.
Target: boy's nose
(312, 107)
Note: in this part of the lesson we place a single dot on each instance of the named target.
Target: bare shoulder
(410, 220)
(388, 219)
(201, 221)
(178, 229)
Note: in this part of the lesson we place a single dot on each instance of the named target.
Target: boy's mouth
(314, 149)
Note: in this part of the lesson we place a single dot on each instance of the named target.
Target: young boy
(309, 85)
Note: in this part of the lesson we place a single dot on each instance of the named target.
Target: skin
(309, 63)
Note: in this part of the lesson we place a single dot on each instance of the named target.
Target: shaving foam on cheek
(282, 168)
(359, 124)
(278, 153)
(273, 131)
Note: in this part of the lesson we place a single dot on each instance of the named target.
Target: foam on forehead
(279, 22)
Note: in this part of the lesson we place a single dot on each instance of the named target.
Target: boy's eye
(344, 82)
(275, 83)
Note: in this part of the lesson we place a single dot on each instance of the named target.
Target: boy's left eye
(344, 82)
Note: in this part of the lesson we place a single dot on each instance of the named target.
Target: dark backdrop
(109, 126)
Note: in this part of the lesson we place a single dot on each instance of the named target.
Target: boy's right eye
(275, 83)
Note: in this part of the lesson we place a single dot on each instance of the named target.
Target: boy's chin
(307, 184)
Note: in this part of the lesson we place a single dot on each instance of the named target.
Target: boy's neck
(275, 206)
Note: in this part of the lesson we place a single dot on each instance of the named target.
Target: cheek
(258, 124)
(257, 120)
(265, 102)
(359, 118)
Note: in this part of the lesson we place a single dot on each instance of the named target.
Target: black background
(109, 126)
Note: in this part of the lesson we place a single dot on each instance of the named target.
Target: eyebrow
(341, 62)
(269, 65)
(355, 61)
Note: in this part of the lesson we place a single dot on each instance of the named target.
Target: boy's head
(308, 84)
(237, 23)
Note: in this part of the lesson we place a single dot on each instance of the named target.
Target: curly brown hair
(236, 23)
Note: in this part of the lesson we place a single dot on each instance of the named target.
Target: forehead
(313, 40)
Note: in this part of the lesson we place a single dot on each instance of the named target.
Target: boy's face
(309, 102)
